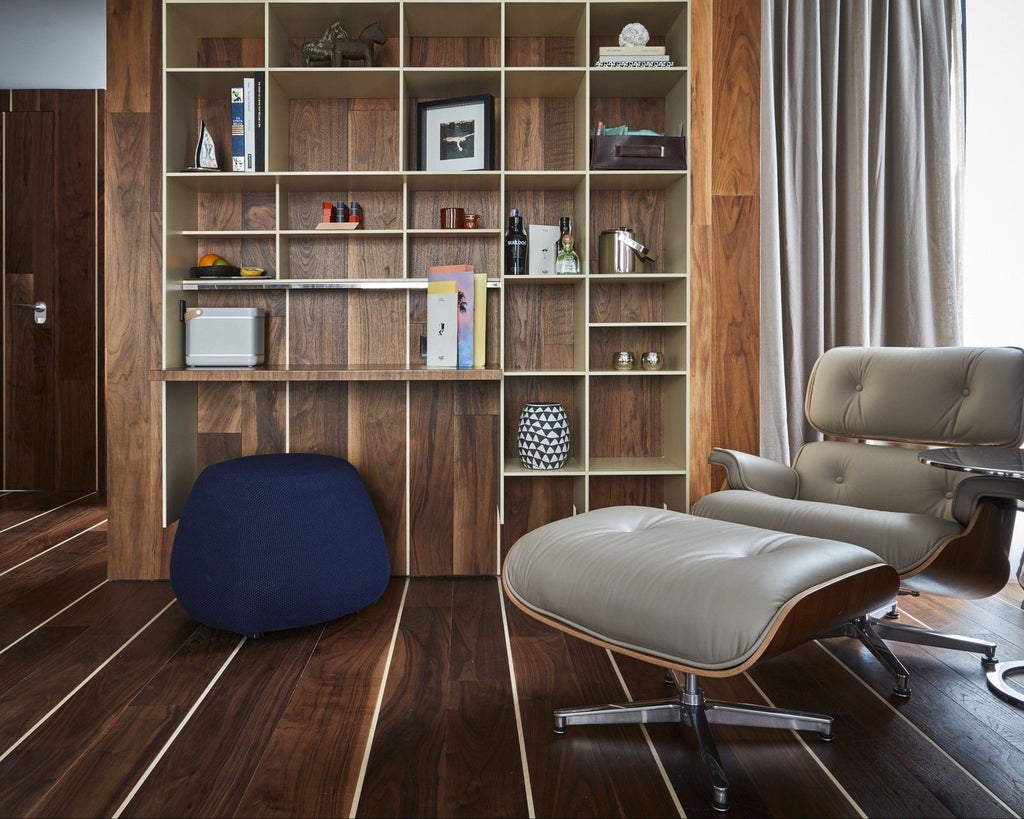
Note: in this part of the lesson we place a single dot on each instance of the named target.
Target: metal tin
(619, 250)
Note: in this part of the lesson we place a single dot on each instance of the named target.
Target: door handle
(39, 311)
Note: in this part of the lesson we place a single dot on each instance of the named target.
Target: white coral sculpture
(634, 34)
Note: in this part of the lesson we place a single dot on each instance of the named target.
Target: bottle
(568, 261)
(564, 226)
(515, 245)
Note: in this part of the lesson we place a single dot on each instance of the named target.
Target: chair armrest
(746, 471)
(970, 491)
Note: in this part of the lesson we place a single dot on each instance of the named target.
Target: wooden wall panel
(432, 431)
(133, 289)
(736, 97)
(453, 478)
(376, 447)
(725, 230)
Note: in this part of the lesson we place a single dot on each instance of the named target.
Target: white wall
(994, 175)
(53, 44)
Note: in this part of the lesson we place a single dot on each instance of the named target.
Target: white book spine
(249, 94)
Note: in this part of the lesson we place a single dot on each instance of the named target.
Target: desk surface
(998, 461)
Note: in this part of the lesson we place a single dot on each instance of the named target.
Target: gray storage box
(224, 336)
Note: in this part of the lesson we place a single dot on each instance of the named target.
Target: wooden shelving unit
(346, 309)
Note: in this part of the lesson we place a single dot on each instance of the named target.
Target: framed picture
(456, 134)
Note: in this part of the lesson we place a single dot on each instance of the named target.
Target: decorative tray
(222, 271)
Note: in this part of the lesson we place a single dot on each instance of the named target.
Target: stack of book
(456, 316)
(633, 57)
(248, 140)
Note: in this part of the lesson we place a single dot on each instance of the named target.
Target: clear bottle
(515, 245)
(568, 261)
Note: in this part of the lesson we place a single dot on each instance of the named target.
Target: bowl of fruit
(213, 266)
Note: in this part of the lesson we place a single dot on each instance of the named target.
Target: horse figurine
(361, 47)
(322, 51)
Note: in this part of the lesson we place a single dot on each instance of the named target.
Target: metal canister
(619, 250)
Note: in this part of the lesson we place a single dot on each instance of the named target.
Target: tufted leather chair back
(913, 398)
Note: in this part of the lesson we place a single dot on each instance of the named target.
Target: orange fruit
(208, 259)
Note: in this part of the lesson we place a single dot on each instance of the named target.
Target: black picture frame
(456, 134)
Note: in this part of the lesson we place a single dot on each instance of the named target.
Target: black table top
(998, 461)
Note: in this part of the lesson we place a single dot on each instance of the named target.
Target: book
(442, 324)
(479, 320)
(634, 62)
(462, 275)
(237, 128)
(338, 225)
(630, 51)
(653, 58)
(249, 106)
(259, 117)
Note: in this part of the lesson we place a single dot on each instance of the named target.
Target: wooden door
(28, 278)
(52, 243)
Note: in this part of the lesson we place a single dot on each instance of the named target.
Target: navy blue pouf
(271, 542)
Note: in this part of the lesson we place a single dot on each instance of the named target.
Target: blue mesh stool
(271, 542)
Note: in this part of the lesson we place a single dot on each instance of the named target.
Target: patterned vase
(544, 436)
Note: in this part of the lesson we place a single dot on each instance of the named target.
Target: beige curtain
(862, 155)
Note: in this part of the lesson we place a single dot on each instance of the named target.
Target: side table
(996, 462)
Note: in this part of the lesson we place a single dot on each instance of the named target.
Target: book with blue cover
(237, 128)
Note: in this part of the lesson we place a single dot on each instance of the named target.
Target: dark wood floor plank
(987, 619)
(52, 744)
(447, 726)
(24, 517)
(206, 770)
(312, 764)
(35, 530)
(403, 771)
(32, 684)
(99, 781)
(584, 771)
(983, 734)
(32, 594)
(19, 506)
(919, 780)
(482, 774)
(769, 770)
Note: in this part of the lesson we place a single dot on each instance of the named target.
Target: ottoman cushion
(700, 593)
(270, 542)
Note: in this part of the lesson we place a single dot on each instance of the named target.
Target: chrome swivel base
(873, 632)
(691, 708)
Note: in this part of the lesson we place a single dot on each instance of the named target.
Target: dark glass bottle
(515, 245)
(564, 226)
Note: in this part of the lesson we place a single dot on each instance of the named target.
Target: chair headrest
(954, 396)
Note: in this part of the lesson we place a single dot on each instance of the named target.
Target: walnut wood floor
(437, 700)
